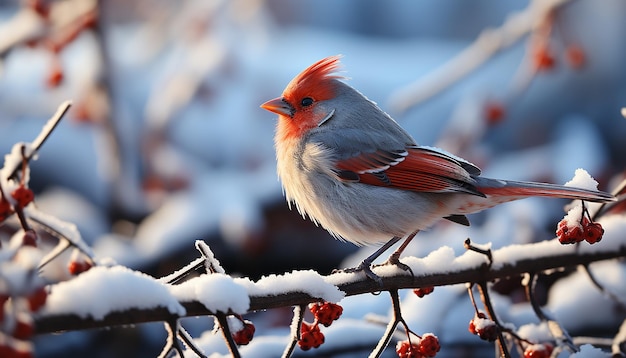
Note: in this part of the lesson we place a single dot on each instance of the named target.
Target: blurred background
(166, 144)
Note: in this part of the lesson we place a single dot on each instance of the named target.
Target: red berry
(485, 328)
(538, 351)
(569, 234)
(472, 323)
(29, 238)
(326, 312)
(23, 330)
(56, 75)
(310, 336)
(576, 57)
(407, 350)
(22, 195)
(429, 345)
(423, 291)
(37, 299)
(244, 335)
(543, 59)
(494, 112)
(76, 267)
(593, 232)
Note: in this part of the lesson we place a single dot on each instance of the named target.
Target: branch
(467, 270)
(486, 46)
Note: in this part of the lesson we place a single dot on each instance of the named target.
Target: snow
(306, 281)
(217, 292)
(589, 351)
(536, 333)
(102, 290)
(583, 180)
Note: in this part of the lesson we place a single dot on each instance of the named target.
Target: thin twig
(171, 343)
(473, 247)
(618, 347)
(296, 323)
(558, 332)
(44, 134)
(488, 44)
(222, 320)
(601, 287)
(185, 337)
(484, 295)
(212, 264)
(391, 327)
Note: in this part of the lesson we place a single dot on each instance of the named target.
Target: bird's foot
(394, 259)
(366, 268)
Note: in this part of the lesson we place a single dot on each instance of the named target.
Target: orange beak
(278, 106)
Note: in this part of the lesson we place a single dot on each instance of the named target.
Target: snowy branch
(469, 267)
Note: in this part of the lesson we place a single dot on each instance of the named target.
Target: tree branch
(48, 323)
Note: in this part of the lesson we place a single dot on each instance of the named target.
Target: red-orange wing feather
(416, 169)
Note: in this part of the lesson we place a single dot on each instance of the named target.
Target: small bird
(352, 169)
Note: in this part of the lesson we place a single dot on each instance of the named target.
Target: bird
(351, 168)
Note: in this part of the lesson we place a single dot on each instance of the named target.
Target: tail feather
(510, 188)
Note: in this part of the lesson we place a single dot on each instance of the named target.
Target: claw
(364, 267)
(395, 260)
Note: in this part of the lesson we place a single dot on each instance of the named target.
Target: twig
(619, 342)
(558, 332)
(222, 320)
(43, 135)
(171, 343)
(298, 317)
(601, 287)
(391, 327)
(211, 263)
(488, 43)
(473, 247)
(484, 295)
(185, 337)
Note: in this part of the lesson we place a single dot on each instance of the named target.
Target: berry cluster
(16, 322)
(543, 350)
(18, 199)
(325, 313)
(483, 327)
(310, 336)
(426, 346)
(571, 231)
(423, 291)
(245, 334)
(21, 196)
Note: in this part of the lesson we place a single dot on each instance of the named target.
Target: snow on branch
(302, 287)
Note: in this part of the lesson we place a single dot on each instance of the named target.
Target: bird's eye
(306, 101)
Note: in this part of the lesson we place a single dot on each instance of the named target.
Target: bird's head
(302, 105)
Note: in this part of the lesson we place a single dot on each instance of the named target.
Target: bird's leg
(365, 265)
(394, 258)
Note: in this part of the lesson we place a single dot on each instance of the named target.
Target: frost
(102, 290)
(582, 180)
